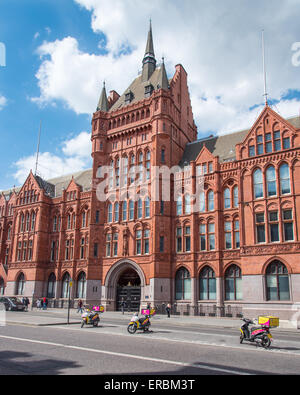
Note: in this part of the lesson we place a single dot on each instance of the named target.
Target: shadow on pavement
(24, 363)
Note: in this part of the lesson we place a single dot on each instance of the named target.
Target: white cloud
(76, 156)
(3, 102)
(218, 43)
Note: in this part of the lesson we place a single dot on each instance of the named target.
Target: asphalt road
(167, 350)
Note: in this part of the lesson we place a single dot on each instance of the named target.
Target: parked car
(12, 303)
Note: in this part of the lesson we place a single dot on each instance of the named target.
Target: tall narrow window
(227, 200)
(268, 142)
(285, 183)
(82, 248)
(274, 226)
(67, 250)
(211, 203)
(235, 197)
(211, 236)
(288, 226)
(202, 202)
(140, 209)
(236, 234)
(148, 158)
(271, 181)
(146, 241)
(258, 184)
(187, 239)
(115, 244)
(116, 212)
(179, 206)
(65, 286)
(147, 207)
(277, 141)
(187, 204)
(260, 228)
(33, 216)
(228, 239)
(202, 232)
(81, 286)
(108, 244)
(131, 210)
(109, 216)
(260, 145)
(124, 211)
(138, 241)
(178, 240)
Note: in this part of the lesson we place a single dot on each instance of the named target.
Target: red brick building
(225, 241)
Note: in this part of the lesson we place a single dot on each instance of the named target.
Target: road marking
(124, 355)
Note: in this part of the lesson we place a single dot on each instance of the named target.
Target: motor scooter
(90, 317)
(256, 334)
(143, 324)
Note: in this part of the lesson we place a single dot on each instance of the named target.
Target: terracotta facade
(226, 242)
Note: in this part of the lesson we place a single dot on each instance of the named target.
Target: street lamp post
(69, 300)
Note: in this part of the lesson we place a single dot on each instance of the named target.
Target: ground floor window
(2, 286)
(65, 286)
(207, 284)
(233, 283)
(277, 282)
(51, 286)
(81, 286)
(20, 284)
(183, 285)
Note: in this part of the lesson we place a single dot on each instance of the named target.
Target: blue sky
(58, 52)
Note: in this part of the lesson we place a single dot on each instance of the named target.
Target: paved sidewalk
(59, 317)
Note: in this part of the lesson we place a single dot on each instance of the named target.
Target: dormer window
(148, 90)
(128, 97)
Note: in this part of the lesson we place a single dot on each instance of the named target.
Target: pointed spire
(103, 102)
(149, 61)
(163, 81)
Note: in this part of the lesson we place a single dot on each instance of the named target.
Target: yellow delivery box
(269, 321)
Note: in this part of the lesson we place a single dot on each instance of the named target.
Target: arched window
(258, 184)
(2, 286)
(285, 183)
(207, 282)
(271, 181)
(227, 200)
(116, 212)
(277, 282)
(233, 283)
(147, 207)
(20, 284)
(51, 286)
(211, 203)
(183, 284)
(65, 286)
(81, 286)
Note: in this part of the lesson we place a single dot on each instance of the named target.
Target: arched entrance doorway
(129, 290)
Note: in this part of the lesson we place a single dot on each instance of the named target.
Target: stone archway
(125, 279)
(128, 290)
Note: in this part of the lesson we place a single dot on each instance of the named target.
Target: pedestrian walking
(45, 302)
(168, 310)
(27, 303)
(123, 306)
(79, 306)
(39, 304)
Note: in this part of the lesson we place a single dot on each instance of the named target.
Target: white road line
(124, 355)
